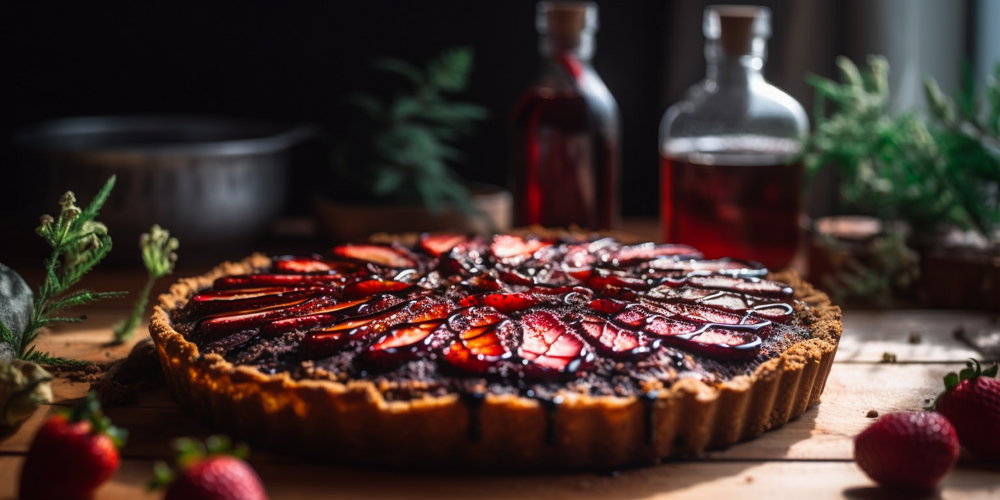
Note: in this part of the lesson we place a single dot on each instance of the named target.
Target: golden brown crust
(353, 423)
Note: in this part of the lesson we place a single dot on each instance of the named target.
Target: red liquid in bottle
(566, 155)
(739, 203)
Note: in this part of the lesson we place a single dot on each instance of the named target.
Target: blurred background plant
(932, 180)
(401, 150)
(930, 173)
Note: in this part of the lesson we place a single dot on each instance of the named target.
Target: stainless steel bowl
(214, 182)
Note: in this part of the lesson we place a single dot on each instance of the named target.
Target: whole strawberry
(213, 471)
(72, 454)
(971, 401)
(907, 450)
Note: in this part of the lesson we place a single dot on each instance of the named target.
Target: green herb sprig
(405, 150)
(159, 253)
(79, 242)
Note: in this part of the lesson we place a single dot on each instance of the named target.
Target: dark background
(295, 61)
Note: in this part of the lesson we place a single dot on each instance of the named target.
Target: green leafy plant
(929, 174)
(158, 255)
(406, 145)
(79, 242)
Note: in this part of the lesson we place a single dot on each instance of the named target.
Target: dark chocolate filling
(511, 315)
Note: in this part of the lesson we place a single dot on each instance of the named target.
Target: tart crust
(353, 423)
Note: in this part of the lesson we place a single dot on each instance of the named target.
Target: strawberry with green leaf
(210, 471)
(971, 401)
(72, 455)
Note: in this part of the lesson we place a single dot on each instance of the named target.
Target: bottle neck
(725, 67)
(550, 47)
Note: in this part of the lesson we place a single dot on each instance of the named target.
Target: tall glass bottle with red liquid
(566, 129)
(731, 185)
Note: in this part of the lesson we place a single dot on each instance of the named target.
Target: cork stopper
(735, 26)
(566, 22)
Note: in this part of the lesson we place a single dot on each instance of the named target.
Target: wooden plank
(824, 432)
(90, 340)
(869, 334)
(676, 481)
(18, 439)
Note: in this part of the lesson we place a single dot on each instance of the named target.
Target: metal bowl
(214, 182)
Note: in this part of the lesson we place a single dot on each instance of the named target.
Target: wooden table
(810, 457)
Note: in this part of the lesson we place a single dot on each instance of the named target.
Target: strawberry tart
(530, 351)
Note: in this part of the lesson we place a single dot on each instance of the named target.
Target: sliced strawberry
(307, 322)
(705, 314)
(223, 324)
(778, 311)
(702, 314)
(484, 282)
(754, 286)
(439, 244)
(717, 341)
(719, 300)
(291, 264)
(514, 249)
(322, 344)
(549, 345)
(406, 342)
(504, 302)
(515, 277)
(579, 258)
(381, 255)
(606, 305)
(246, 300)
(375, 321)
(634, 315)
(546, 289)
(627, 255)
(368, 288)
(483, 336)
(276, 280)
(725, 342)
(726, 265)
(613, 340)
(599, 282)
(465, 259)
(659, 326)
(330, 316)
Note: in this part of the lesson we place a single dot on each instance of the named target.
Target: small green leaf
(950, 380)
(163, 475)
(405, 107)
(90, 212)
(966, 374)
(991, 371)
(450, 71)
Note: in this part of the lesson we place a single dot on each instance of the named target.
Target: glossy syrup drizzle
(523, 307)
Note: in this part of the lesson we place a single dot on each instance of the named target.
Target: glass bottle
(731, 185)
(566, 129)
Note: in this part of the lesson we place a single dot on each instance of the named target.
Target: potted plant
(933, 181)
(392, 173)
